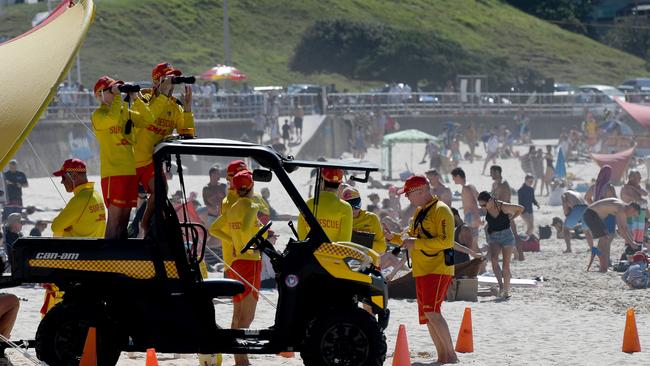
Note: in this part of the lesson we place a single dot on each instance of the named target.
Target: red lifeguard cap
(412, 183)
(70, 166)
(235, 167)
(243, 180)
(332, 175)
(163, 69)
(104, 83)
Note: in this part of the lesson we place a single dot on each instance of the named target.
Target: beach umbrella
(223, 72)
(560, 165)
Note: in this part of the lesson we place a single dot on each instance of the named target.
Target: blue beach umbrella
(560, 165)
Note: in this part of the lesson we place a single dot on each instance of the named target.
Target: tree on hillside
(368, 51)
(568, 14)
(631, 35)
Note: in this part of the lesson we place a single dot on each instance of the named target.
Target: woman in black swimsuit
(500, 237)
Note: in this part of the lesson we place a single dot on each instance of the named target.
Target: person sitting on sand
(596, 214)
(637, 276)
(574, 207)
(463, 266)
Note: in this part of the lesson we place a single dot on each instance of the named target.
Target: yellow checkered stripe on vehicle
(141, 270)
(341, 251)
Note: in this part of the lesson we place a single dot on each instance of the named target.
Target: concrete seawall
(542, 127)
(55, 141)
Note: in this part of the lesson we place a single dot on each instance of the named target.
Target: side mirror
(361, 180)
(261, 175)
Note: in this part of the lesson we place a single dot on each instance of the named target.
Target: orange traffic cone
(631, 337)
(152, 360)
(401, 356)
(89, 356)
(465, 340)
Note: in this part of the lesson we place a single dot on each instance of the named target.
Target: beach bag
(545, 232)
(530, 243)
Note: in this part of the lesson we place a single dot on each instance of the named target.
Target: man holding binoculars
(168, 114)
(113, 124)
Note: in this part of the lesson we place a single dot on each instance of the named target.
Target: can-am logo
(57, 256)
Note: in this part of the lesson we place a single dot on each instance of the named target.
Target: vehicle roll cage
(267, 157)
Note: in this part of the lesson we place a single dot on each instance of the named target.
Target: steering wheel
(258, 238)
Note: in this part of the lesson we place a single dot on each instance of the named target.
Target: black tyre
(346, 338)
(61, 336)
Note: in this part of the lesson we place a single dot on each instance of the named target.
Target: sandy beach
(574, 317)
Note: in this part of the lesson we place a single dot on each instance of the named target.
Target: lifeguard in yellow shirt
(168, 115)
(84, 216)
(238, 224)
(113, 124)
(431, 238)
(333, 214)
(364, 221)
(233, 168)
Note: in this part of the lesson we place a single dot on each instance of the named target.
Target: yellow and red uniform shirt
(334, 216)
(226, 244)
(369, 222)
(427, 254)
(84, 216)
(116, 148)
(168, 115)
(238, 225)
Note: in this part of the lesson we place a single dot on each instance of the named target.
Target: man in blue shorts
(574, 207)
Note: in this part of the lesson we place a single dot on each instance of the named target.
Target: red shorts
(251, 271)
(120, 190)
(145, 174)
(431, 291)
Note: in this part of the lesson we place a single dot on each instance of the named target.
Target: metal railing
(72, 105)
(69, 105)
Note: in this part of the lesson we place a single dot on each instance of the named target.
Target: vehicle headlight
(356, 265)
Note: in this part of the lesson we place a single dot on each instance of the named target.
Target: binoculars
(129, 88)
(183, 80)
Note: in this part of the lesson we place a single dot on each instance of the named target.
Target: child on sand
(637, 276)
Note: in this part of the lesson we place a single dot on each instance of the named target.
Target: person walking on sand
(500, 187)
(499, 216)
(469, 196)
(492, 150)
(526, 198)
(430, 241)
(298, 116)
(595, 216)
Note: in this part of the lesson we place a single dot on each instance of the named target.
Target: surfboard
(514, 282)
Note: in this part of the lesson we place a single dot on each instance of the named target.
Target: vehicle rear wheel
(61, 336)
(346, 338)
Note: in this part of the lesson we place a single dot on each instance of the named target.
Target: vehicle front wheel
(345, 338)
(61, 336)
